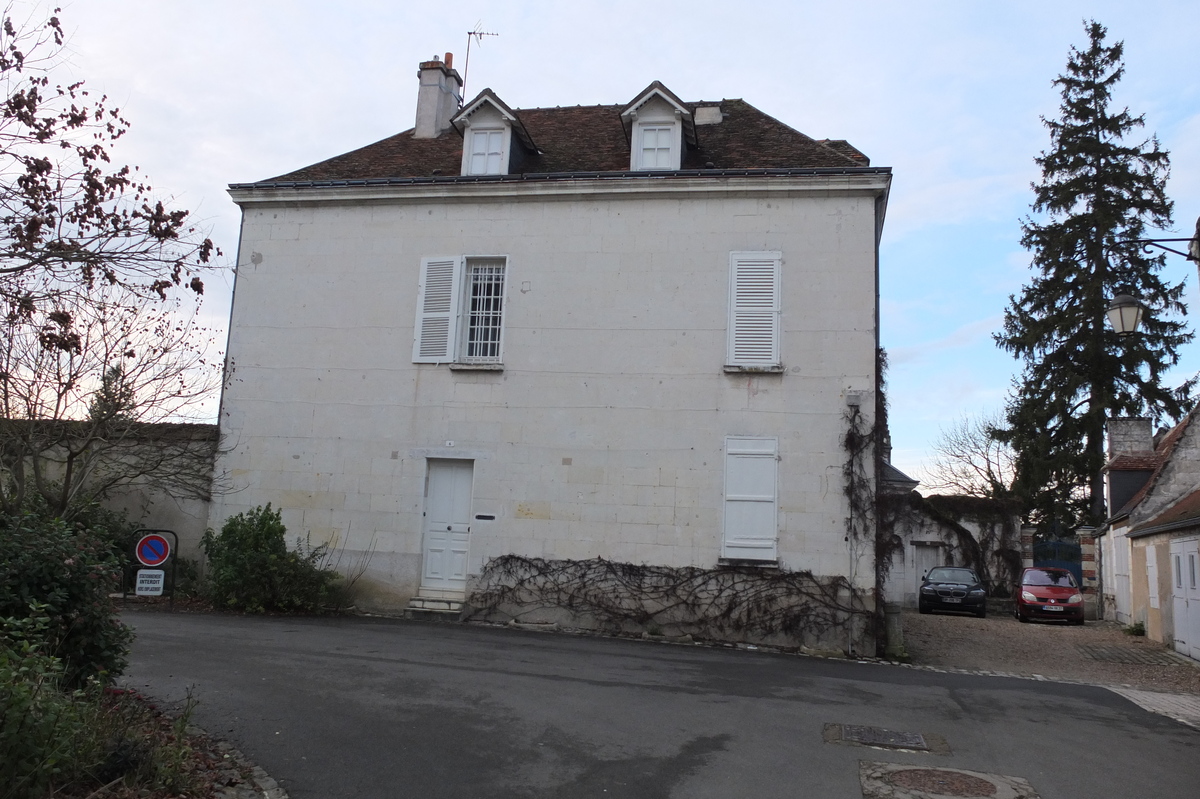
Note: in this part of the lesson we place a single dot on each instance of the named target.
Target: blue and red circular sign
(152, 550)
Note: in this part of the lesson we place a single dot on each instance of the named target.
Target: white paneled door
(447, 525)
(1185, 579)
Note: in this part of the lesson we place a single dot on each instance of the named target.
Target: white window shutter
(487, 149)
(751, 527)
(754, 279)
(437, 310)
(1152, 574)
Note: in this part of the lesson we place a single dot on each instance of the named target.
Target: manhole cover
(877, 736)
(945, 783)
(901, 781)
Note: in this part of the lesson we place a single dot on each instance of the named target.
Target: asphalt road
(370, 708)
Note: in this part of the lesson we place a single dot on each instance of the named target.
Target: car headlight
(1028, 597)
(927, 589)
(1075, 599)
(976, 592)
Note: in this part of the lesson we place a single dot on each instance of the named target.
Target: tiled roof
(593, 139)
(1133, 462)
(1183, 511)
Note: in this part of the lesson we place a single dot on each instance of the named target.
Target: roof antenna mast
(477, 34)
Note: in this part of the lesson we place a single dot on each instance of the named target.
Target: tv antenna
(477, 34)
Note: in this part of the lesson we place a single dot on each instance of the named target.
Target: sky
(950, 95)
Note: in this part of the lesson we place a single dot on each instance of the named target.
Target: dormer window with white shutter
(486, 152)
(754, 312)
(660, 127)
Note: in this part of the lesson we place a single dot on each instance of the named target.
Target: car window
(952, 576)
(1046, 577)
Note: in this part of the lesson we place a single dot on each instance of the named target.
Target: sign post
(153, 550)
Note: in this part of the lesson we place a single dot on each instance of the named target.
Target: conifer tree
(1097, 193)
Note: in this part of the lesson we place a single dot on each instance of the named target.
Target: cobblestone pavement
(1099, 653)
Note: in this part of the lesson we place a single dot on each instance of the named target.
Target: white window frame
(444, 318)
(755, 311)
(672, 130)
(474, 135)
(754, 548)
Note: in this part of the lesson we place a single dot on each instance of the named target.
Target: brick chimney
(439, 97)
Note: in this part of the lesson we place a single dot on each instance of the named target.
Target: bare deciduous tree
(71, 219)
(969, 460)
(110, 409)
(103, 365)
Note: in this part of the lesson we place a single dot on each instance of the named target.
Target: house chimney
(438, 98)
(1128, 436)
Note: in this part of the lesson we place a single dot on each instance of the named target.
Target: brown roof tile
(593, 139)
(1131, 462)
(1186, 509)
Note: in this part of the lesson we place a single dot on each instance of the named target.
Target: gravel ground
(1052, 650)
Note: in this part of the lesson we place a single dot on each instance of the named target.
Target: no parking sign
(152, 550)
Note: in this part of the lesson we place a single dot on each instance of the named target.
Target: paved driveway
(370, 708)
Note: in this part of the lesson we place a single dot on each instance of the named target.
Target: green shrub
(68, 574)
(39, 723)
(251, 568)
(54, 739)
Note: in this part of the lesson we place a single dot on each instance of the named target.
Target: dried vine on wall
(728, 603)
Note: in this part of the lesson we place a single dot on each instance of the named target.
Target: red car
(1049, 593)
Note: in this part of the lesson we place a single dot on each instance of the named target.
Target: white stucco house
(1149, 547)
(521, 355)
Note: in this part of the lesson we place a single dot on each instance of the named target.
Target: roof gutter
(553, 176)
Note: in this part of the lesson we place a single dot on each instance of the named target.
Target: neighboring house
(1150, 545)
(509, 348)
(923, 533)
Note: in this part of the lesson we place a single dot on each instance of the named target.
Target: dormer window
(493, 136)
(486, 152)
(660, 126)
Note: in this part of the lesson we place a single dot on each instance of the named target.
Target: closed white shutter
(751, 529)
(437, 310)
(1152, 574)
(754, 308)
(487, 147)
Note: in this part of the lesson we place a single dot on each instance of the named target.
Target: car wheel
(923, 607)
(1021, 617)
(982, 612)
(1077, 622)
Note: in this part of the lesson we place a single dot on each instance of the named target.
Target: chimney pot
(449, 60)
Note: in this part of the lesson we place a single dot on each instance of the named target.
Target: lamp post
(1125, 314)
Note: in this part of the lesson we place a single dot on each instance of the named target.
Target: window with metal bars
(485, 298)
(460, 310)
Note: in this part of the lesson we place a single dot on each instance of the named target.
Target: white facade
(602, 427)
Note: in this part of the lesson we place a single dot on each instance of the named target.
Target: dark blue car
(952, 588)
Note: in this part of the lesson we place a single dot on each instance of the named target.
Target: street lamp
(1125, 314)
